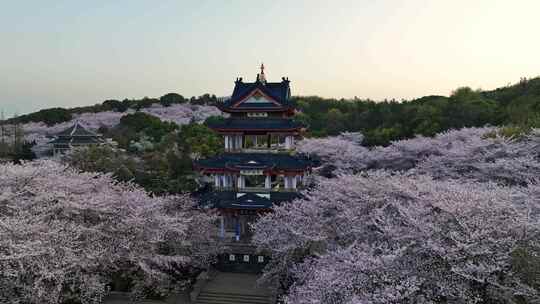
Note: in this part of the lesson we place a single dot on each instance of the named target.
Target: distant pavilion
(74, 136)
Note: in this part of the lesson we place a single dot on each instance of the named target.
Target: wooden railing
(258, 189)
(263, 150)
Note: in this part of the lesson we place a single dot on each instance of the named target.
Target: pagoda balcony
(261, 149)
(258, 189)
(265, 143)
(230, 165)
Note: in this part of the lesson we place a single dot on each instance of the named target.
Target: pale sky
(71, 53)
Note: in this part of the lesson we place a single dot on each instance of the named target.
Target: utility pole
(17, 136)
(3, 146)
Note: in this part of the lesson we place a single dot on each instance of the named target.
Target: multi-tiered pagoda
(260, 167)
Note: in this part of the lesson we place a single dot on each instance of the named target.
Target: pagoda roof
(76, 135)
(256, 124)
(76, 130)
(276, 96)
(245, 200)
(255, 161)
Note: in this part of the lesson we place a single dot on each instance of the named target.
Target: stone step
(230, 298)
(225, 300)
(231, 294)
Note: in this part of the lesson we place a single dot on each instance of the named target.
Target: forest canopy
(388, 120)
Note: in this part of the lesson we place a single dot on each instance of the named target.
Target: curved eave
(255, 109)
(211, 170)
(274, 130)
(248, 207)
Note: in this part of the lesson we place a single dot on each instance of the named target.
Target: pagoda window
(290, 182)
(268, 182)
(232, 181)
(257, 114)
(255, 181)
(228, 142)
(277, 182)
(238, 142)
(256, 142)
(248, 142)
(277, 141)
(241, 182)
(300, 180)
(287, 182)
(224, 181)
(232, 142)
(289, 142)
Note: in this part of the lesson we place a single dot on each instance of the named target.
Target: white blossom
(64, 233)
(385, 237)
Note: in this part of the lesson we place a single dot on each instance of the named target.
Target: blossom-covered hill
(178, 113)
(478, 153)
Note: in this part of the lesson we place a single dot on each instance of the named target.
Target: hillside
(380, 121)
(152, 143)
(388, 120)
(52, 116)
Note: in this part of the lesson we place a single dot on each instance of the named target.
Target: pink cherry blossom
(64, 233)
(384, 237)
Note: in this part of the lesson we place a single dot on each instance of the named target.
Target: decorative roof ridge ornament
(261, 77)
(75, 126)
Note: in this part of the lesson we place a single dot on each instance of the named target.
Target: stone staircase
(206, 297)
(233, 288)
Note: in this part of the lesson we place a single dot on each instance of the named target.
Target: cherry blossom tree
(487, 157)
(406, 154)
(182, 114)
(65, 234)
(344, 152)
(478, 153)
(383, 237)
(444, 223)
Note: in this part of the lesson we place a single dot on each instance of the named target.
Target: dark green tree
(171, 98)
(114, 105)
